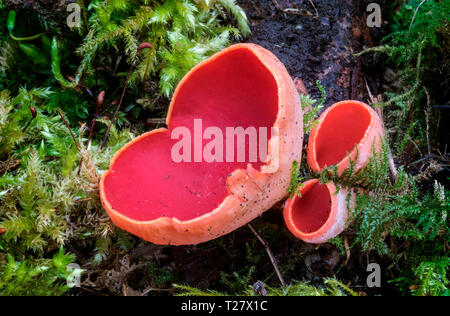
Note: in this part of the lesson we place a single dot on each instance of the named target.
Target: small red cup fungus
(148, 194)
(319, 212)
(348, 129)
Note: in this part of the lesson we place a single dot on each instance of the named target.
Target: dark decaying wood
(52, 10)
(320, 46)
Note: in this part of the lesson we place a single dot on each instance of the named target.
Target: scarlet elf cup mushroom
(347, 130)
(180, 201)
(318, 212)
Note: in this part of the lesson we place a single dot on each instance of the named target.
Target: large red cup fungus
(319, 212)
(347, 130)
(163, 201)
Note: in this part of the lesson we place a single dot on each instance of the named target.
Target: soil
(53, 10)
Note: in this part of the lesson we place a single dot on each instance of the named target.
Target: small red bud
(33, 112)
(100, 98)
(145, 45)
(3, 231)
(33, 116)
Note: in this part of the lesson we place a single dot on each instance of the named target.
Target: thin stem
(145, 73)
(70, 131)
(412, 22)
(33, 116)
(13, 247)
(427, 119)
(156, 121)
(315, 8)
(142, 46)
(269, 252)
(120, 102)
(29, 38)
(100, 99)
(378, 49)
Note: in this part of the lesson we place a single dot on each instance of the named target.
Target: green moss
(417, 48)
(42, 277)
(41, 187)
(331, 287)
(183, 33)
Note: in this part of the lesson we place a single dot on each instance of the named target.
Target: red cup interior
(311, 211)
(342, 128)
(235, 90)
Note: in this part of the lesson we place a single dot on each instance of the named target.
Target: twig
(371, 97)
(378, 49)
(13, 247)
(427, 119)
(347, 250)
(414, 143)
(156, 121)
(151, 289)
(142, 46)
(33, 116)
(83, 200)
(392, 166)
(412, 22)
(432, 156)
(100, 99)
(120, 103)
(269, 252)
(275, 3)
(286, 11)
(79, 84)
(84, 288)
(314, 6)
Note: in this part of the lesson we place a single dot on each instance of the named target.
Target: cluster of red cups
(347, 131)
(148, 194)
